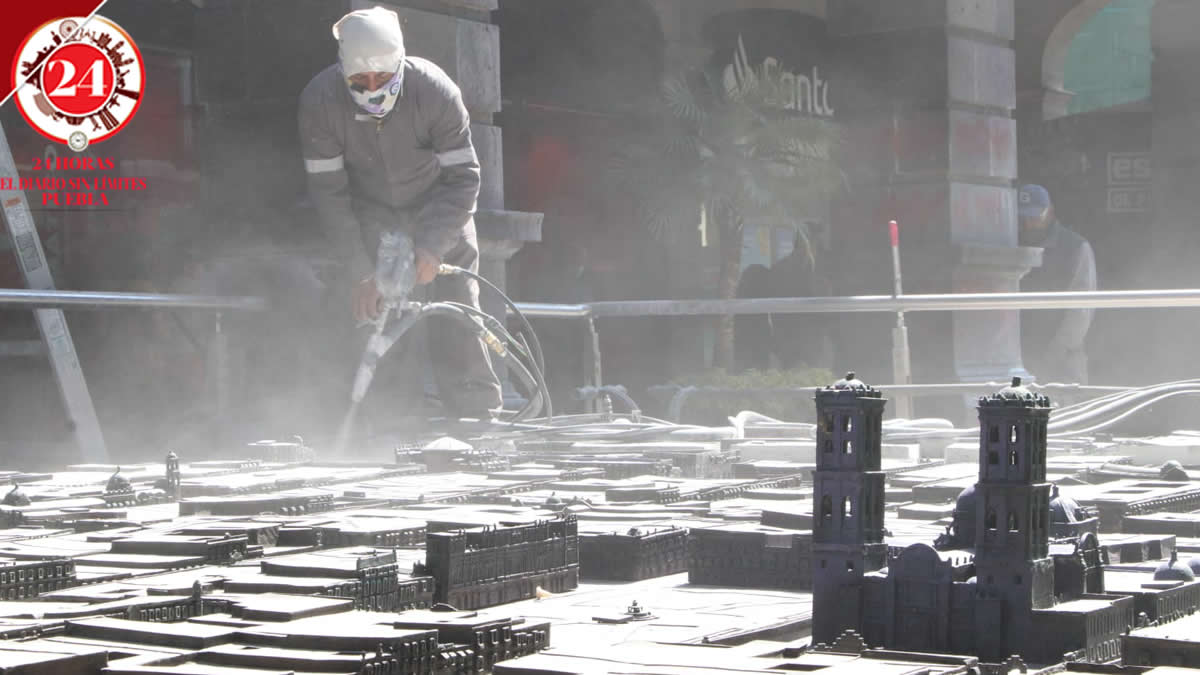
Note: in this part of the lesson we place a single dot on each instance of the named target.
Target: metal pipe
(219, 372)
(901, 359)
(886, 303)
(593, 337)
(828, 305)
(542, 310)
(101, 300)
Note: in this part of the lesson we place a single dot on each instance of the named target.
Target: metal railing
(950, 302)
(103, 300)
(34, 299)
(955, 302)
(217, 359)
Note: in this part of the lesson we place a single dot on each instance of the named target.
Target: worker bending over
(387, 145)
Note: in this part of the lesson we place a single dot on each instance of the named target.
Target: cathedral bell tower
(1014, 573)
(848, 501)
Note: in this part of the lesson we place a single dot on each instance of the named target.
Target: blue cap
(1032, 200)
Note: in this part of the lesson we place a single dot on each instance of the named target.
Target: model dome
(1173, 570)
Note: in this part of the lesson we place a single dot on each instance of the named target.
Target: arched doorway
(1054, 56)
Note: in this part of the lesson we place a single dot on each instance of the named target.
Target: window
(1012, 521)
(827, 422)
(1012, 457)
(823, 563)
(990, 521)
(826, 508)
(828, 445)
(1017, 579)
(849, 565)
(848, 447)
(848, 423)
(1012, 435)
(847, 508)
(993, 457)
(994, 434)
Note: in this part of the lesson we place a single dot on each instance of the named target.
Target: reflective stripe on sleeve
(324, 165)
(454, 157)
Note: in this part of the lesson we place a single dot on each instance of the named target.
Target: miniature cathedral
(991, 587)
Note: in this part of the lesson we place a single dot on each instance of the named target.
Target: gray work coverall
(414, 169)
(1053, 339)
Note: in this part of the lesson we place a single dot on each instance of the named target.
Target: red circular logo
(78, 81)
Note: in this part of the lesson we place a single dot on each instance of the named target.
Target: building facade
(945, 107)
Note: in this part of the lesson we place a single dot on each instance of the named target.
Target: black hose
(534, 382)
(537, 345)
(541, 380)
(535, 403)
(519, 346)
(496, 327)
(463, 316)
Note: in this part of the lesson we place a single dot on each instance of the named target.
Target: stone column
(993, 351)
(1175, 201)
(929, 92)
(1175, 140)
(459, 37)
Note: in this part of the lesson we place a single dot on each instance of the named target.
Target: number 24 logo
(94, 75)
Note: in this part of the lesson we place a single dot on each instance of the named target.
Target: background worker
(1053, 339)
(386, 141)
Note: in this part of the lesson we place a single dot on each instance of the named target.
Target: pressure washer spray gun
(395, 277)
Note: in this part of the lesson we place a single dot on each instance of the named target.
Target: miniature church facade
(993, 588)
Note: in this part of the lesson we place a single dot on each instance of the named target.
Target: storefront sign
(1129, 175)
(785, 51)
(802, 92)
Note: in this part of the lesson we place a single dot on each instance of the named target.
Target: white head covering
(369, 40)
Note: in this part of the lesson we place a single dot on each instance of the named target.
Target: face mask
(379, 102)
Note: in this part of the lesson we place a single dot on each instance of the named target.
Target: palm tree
(725, 152)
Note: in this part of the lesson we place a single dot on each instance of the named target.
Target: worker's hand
(365, 299)
(427, 266)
